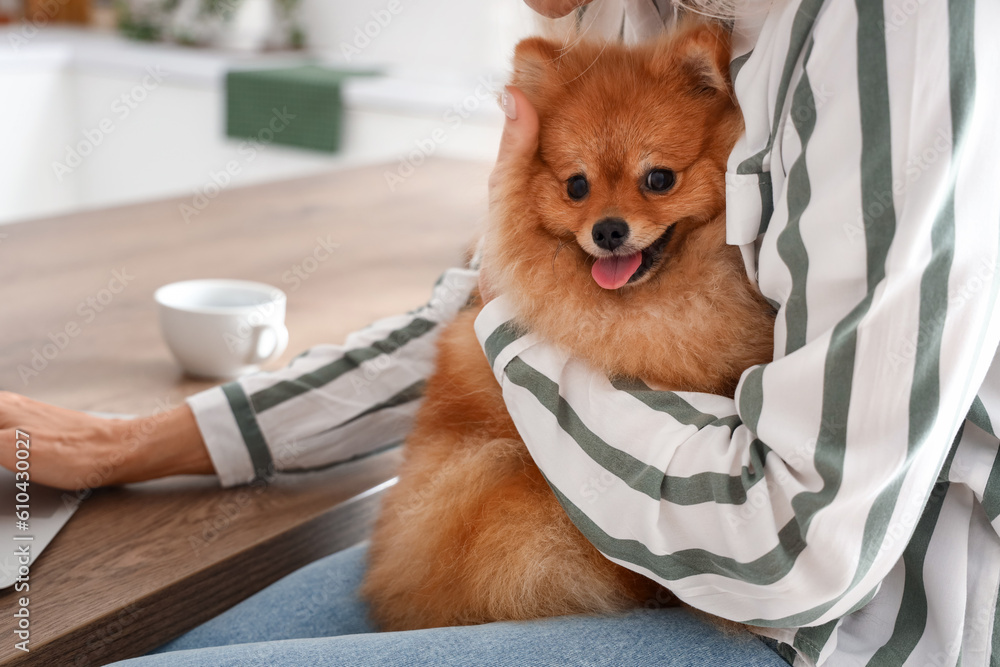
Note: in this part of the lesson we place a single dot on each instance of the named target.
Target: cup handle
(267, 342)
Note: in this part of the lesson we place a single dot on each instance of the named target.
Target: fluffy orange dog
(610, 241)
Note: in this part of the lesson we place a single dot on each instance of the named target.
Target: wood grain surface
(140, 564)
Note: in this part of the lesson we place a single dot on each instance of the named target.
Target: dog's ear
(699, 53)
(535, 67)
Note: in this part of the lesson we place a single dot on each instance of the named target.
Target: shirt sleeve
(788, 505)
(334, 402)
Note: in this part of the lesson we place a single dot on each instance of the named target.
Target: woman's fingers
(74, 450)
(520, 132)
(518, 144)
(59, 447)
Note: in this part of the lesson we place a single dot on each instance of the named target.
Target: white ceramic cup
(222, 328)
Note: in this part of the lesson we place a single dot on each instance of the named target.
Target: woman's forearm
(168, 443)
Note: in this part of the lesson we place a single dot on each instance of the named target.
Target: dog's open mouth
(619, 270)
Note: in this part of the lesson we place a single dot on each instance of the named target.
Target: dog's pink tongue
(613, 272)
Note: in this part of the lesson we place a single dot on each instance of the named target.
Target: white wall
(171, 143)
(35, 111)
(60, 87)
(443, 35)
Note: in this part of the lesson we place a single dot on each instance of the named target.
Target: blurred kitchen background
(107, 102)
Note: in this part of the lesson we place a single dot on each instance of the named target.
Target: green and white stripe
(831, 502)
(333, 403)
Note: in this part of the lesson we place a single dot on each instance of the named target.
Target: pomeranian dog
(610, 243)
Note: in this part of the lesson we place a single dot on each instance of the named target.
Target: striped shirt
(846, 501)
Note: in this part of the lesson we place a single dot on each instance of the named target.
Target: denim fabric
(314, 617)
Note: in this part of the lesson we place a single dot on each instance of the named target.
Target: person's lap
(318, 600)
(314, 616)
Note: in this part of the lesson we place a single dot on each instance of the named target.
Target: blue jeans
(315, 617)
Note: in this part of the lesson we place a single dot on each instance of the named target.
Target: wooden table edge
(132, 632)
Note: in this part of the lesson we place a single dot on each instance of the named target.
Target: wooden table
(140, 564)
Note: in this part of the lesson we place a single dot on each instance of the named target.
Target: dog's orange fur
(472, 533)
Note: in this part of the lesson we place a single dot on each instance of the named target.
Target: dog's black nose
(610, 233)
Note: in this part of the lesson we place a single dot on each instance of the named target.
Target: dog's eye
(577, 187)
(660, 180)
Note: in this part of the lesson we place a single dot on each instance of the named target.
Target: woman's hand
(73, 450)
(518, 142)
(554, 9)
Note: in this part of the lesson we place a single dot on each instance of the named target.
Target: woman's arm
(331, 404)
(774, 508)
(74, 450)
